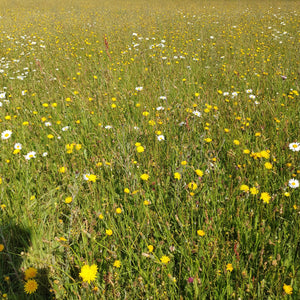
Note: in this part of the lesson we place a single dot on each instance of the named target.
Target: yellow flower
(78, 147)
(146, 202)
(145, 177)
(265, 197)
(208, 140)
(68, 200)
(200, 232)
(150, 248)
(199, 172)
(117, 264)
(1, 247)
(30, 273)
(184, 163)
(88, 273)
(288, 289)
(118, 210)
(30, 286)
(192, 185)
(268, 166)
(236, 142)
(92, 177)
(108, 232)
(101, 217)
(50, 136)
(165, 259)
(264, 154)
(145, 113)
(254, 191)
(126, 190)
(140, 149)
(246, 151)
(229, 267)
(62, 170)
(244, 188)
(177, 176)
(16, 151)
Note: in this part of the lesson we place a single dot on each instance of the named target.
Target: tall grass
(203, 97)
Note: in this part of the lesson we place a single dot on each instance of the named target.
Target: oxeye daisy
(293, 183)
(30, 155)
(6, 134)
(160, 137)
(294, 147)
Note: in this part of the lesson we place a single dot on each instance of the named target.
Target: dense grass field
(149, 149)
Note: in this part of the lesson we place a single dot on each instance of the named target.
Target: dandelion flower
(200, 232)
(117, 264)
(199, 172)
(265, 197)
(68, 200)
(192, 186)
(253, 191)
(287, 289)
(150, 248)
(165, 259)
(30, 273)
(144, 177)
(140, 149)
(108, 232)
(293, 183)
(268, 166)
(1, 247)
(88, 273)
(229, 267)
(244, 188)
(30, 286)
(177, 176)
(6, 134)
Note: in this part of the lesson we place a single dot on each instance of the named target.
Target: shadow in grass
(15, 239)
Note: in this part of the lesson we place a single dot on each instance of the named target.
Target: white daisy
(294, 146)
(197, 113)
(65, 128)
(45, 154)
(47, 124)
(6, 134)
(139, 88)
(160, 137)
(293, 183)
(30, 155)
(18, 146)
(86, 176)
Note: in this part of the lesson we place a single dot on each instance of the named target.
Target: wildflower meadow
(149, 149)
